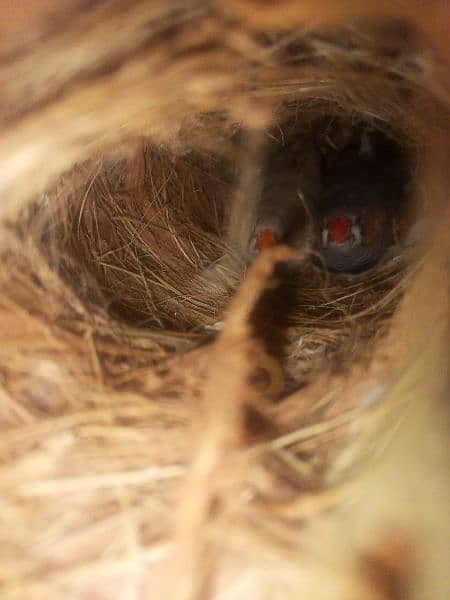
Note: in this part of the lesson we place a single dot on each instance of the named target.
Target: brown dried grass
(146, 450)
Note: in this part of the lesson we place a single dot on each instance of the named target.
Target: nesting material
(170, 402)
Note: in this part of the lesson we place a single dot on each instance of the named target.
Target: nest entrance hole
(147, 237)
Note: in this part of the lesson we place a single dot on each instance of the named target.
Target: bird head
(341, 230)
(354, 238)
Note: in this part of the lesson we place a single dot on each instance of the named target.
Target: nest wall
(177, 422)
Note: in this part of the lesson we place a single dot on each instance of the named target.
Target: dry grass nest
(169, 407)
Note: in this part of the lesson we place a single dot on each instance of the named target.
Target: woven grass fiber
(178, 421)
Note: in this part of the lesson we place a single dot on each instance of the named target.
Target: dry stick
(227, 383)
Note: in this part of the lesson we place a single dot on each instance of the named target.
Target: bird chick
(361, 191)
(282, 213)
(355, 238)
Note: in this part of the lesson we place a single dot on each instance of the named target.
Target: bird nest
(168, 405)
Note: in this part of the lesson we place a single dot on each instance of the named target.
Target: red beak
(339, 230)
(265, 239)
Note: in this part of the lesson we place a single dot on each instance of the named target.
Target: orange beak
(339, 230)
(266, 239)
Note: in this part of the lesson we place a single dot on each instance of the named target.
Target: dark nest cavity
(147, 235)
